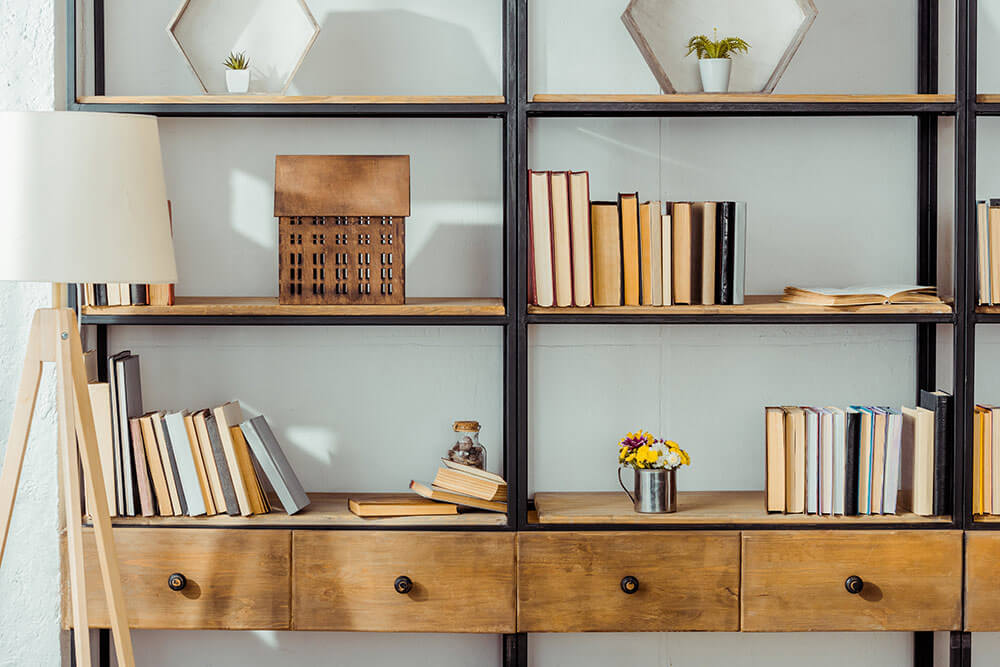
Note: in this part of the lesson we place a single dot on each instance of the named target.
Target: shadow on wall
(394, 52)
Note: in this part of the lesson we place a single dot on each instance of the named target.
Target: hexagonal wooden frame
(288, 82)
(808, 9)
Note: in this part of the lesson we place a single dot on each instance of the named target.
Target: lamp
(82, 200)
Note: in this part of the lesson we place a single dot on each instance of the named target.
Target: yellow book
(156, 472)
(258, 503)
(977, 461)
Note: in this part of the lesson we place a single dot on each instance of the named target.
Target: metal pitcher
(655, 490)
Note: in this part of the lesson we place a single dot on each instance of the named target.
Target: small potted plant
(655, 462)
(237, 72)
(715, 59)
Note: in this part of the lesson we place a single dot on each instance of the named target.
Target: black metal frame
(514, 113)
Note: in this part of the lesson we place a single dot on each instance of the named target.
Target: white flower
(673, 460)
(662, 451)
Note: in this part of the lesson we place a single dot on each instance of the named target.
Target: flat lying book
(399, 505)
(457, 498)
(861, 295)
(470, 481)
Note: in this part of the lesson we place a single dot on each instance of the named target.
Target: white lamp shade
(82, 199)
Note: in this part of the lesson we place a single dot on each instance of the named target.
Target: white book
(890, 486)
(740, 254)
(826, 462)
(184, 458)
(666, 236)
(812, 461)
(839, 458)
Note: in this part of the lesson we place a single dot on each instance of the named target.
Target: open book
(862, 295)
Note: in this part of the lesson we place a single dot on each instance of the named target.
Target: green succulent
(237, 61)
(726, 47)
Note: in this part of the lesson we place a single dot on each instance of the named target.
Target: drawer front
(796, 580)
(982, 582)
(346, 580)
(235, 579)
(573, 582)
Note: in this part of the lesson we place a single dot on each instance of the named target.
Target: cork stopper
(466, 426)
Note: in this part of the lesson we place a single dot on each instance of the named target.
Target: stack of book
(124, 294)
(456, 487)
(988, 251)
(631, 253)
(860, 460)
(212, 461)
(986, 460)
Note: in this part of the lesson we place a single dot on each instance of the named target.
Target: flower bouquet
(655, 462)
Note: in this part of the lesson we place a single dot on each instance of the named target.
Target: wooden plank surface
(982, 585)
(571, 582)
(756, 98)
(263, 306)
(293, 99)
(237, 579)
(794, 581)
(327, 509)
(759, 304)
(462, 582)
(694, 507)
(988, 99)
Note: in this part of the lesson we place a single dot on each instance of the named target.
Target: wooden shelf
(762, 308)
(249, 310)
(751, 98)
(695, 507)
(292, 99)
(327, 509)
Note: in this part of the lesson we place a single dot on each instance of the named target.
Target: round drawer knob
(403, 585)
(177, 581)
(629, 585)
(854, 584)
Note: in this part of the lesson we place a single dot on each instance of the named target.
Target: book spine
(852, 458)
(724, 225)
(225, 478)
(739, 252)
(941, 405)
(138, 294)
(101, 294)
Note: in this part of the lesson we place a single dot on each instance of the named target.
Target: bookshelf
(592, 518)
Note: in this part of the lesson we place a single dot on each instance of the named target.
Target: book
(461, 480)
(940, 402)
(681, 252)
(646, 215)
(812, 460)
(862, 295)
(825, 461)
(205, 442)
(459, 499)
(180, 445)
(169, 466)
(740, 254)
(995, 458)
(562, 258)
(200, 464)
(100, 402)
(255, 493)
(893, 444)
(708, 243)
(994, 222)
(983, 258)
(398, 505)
(852, 460)
(839, 460)
(666, 257)
(880, 425)
(725, 232)
(138, 294)
(579, 225)
(866, 439)
(656, 252)
(541, 283)
(147, 503)
(116, 432)
(916, 486)
(628, 220)
(230, 502)
(774, 457)
(129, 390)
(977, 460)
(987, 460)
(114, 293)
(269, 454)
(154, 463)
(227, 416)
(795, 459)
(607, 254)
(101, 294)
(161, 295)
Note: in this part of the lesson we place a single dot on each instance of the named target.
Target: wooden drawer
(982, 581)
(795, 580)
(462, 582)
(236, 579)
(572, 582)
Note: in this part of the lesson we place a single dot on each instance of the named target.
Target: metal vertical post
(927, 165)
(521, 264)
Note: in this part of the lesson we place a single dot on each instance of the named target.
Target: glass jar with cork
(467, 450)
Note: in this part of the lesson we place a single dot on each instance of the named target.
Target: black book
(941, 403)
(137, 294)
(725, 236)
(173, 464)
(100, 294)
(852, 428)
(225, 478)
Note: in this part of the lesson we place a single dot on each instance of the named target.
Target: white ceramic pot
(237, 80)
(715, 74)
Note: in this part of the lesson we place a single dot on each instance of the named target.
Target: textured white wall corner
(29, 578)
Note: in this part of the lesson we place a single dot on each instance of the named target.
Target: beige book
(456, 498)
(977, 460)
(579, 221)
(628, 205)
(994, 220)
(774, 432)
(681, 252)
(708, 252)
(795, 460)
(199, 465)
(398, 505)
(607, 254)
(562, 263)
(168, 470)
(646, 216)
(666, 256)
(878, 461)
(228, 416)
(916, 488)
(155, 465)
(100, 402)
(983, 252)
(656, 241)
(988, 460)
(995, 458)
(205, 444)
(540, 226)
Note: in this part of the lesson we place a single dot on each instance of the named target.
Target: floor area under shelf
(693, 507)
